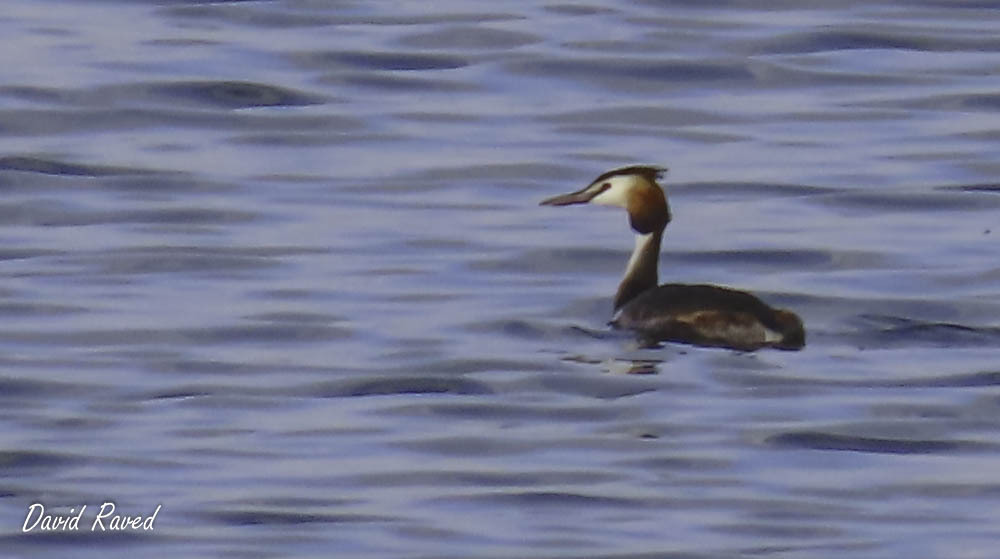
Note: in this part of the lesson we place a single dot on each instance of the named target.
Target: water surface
(279, 267)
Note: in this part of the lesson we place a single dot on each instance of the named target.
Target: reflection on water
(278, 267)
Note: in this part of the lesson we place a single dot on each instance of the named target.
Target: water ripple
(462, 38)
(610, 73)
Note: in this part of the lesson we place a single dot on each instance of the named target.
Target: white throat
(640, 244)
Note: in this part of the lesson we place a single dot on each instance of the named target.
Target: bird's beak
(579, 197)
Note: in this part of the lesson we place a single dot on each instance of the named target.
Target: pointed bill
(578, 197)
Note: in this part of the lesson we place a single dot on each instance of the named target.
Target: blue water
(279, 268)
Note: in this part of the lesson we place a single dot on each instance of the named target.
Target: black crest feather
(648, 172)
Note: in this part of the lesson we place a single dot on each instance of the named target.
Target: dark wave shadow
(657, 117)
(52, 166)
(387, 60)
(257, 516)
(262, 15)
(993, 188)
(882, 331)
(46, 122)
(826, 40)
(203, 336)
(394, 82)
(775, 259)
(908, 201)
(817, 440)
(181, 259)
(750, 190)
(49, 213)
(227, 94)
(13, 460)
(975, 101)
(535, 330)
(232, 94)
(551, 261)
(541, 498)
(388, 386)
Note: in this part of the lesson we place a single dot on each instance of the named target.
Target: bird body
(709, 315)
(705, 315)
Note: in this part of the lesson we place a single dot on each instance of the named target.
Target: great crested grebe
(705, 315)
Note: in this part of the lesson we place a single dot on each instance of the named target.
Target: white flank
(770, 336)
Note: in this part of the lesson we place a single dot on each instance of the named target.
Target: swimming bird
(704, 315)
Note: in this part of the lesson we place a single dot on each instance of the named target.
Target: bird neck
(641, 272)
